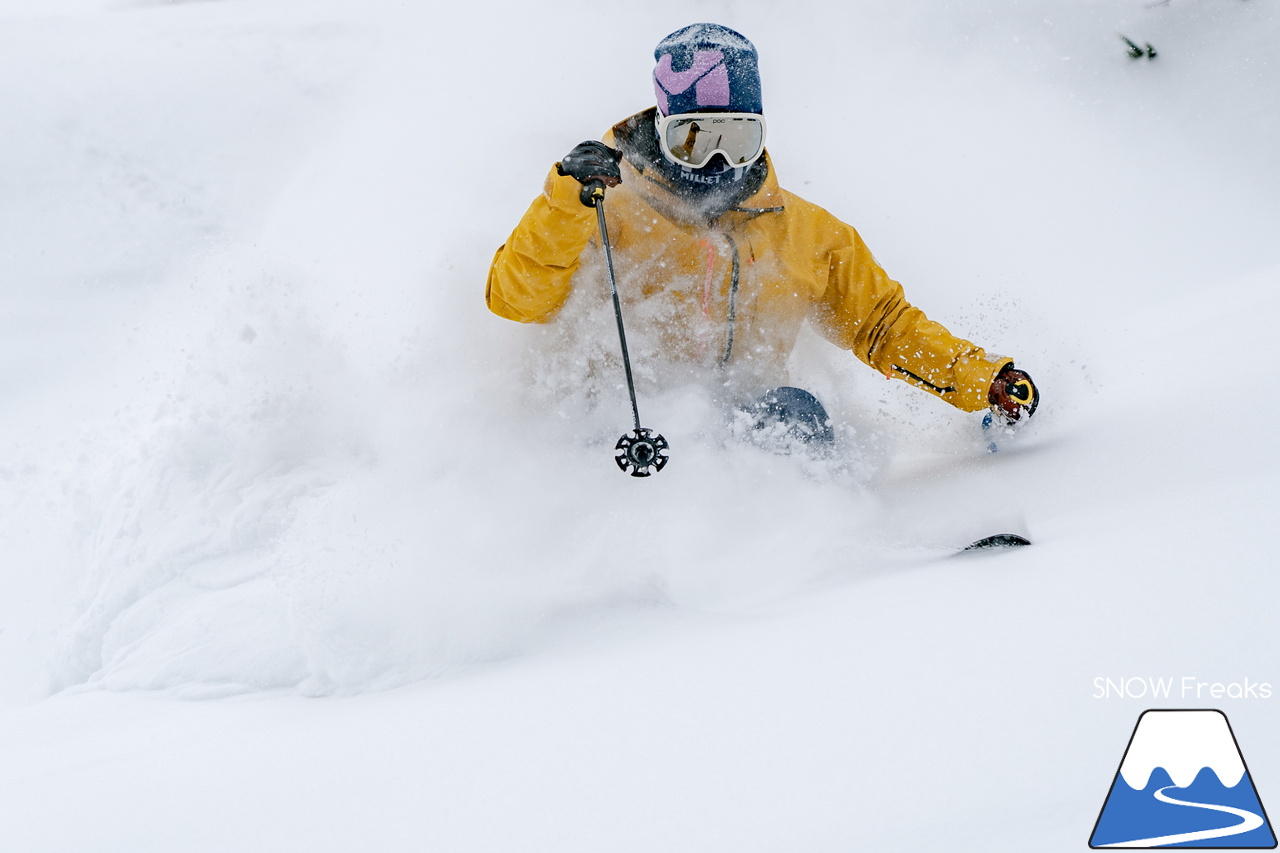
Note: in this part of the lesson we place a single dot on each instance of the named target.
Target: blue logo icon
(1183, 783)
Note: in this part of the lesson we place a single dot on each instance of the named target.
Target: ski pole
(638, 450)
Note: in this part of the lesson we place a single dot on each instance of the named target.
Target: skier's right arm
(531, 275)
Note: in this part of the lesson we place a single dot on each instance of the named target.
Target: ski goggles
(692, 139)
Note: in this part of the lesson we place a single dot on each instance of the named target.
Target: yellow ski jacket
(739, 286)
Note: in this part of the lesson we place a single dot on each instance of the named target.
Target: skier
(696, 217)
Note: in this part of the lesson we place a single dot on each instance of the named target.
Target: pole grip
(592, 193)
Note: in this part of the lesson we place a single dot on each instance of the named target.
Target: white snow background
(302, 549)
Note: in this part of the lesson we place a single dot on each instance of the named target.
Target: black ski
(1000, 540)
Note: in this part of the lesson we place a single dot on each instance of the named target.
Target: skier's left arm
(865, 311)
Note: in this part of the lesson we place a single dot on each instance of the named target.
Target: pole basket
(641, 453)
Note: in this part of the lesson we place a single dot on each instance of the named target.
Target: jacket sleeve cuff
(974, 375)
(562, 193)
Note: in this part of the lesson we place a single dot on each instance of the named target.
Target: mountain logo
(1183, 783)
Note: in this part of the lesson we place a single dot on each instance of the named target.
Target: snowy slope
(265, 447)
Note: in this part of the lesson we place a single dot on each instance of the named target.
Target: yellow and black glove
(1013, 396)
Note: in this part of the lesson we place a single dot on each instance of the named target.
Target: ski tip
(1000, 540)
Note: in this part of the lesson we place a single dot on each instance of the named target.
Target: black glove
(1013, 396)
(594, 165)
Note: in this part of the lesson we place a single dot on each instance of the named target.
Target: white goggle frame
(739, 137)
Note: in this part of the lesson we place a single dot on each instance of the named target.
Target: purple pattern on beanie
(713, 90)
(674, 82)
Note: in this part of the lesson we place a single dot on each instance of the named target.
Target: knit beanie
(706, 68)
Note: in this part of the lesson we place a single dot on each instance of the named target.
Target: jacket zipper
(735, 269)
(925, 382)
